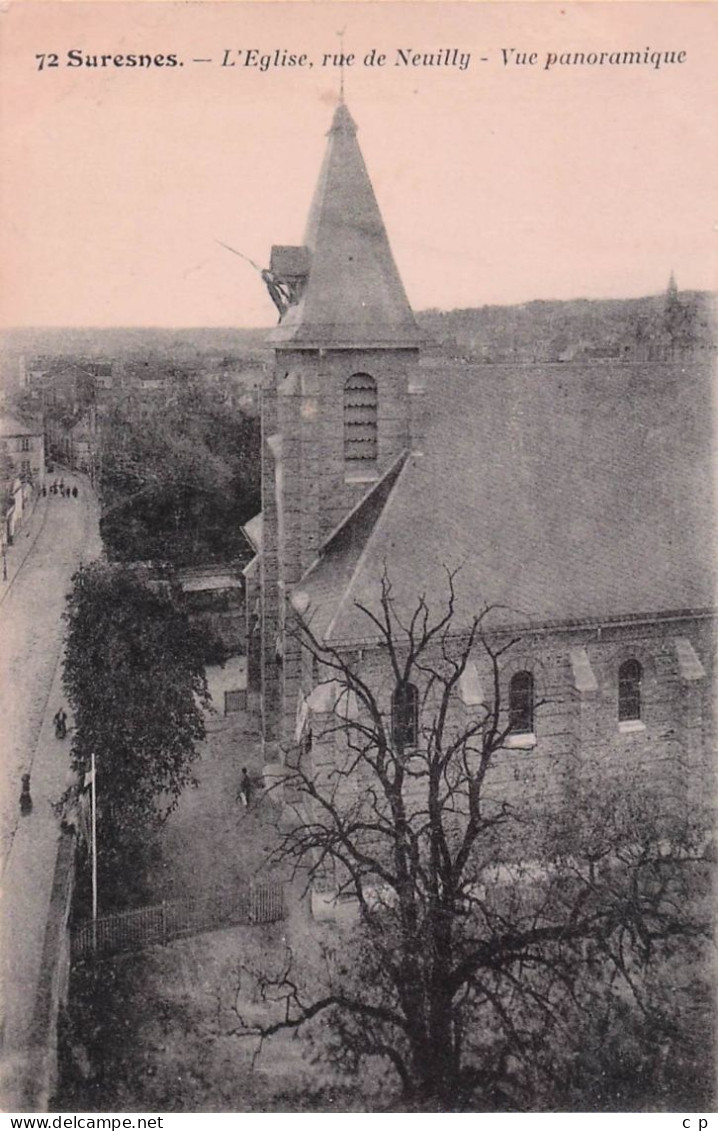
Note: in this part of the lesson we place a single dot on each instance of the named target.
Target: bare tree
(493, 929)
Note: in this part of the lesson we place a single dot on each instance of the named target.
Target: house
(22, 473)
(23, 445)
(574, 498)
(214, 595)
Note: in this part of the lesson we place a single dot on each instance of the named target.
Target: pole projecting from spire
(341, 64)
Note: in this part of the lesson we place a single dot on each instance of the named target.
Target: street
(63, 533)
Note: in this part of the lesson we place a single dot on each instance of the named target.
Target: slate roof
(330, 577)
(565, 493)
(290, 261)
(354, 295)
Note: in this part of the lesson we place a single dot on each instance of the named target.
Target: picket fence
(160, 923)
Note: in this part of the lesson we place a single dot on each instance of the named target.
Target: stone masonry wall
(317, 489)
(579, 743)
(310, 390)
(269, 576)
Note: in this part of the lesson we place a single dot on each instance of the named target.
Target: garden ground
(145, 1031)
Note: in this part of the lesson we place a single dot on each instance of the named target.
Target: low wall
(29, 1081)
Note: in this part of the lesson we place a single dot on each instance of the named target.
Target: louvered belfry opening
(360, 420)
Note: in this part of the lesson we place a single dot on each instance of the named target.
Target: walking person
(25, 798)
(74, 492)
(245, 788)
(60, 721)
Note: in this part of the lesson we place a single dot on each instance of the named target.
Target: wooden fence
(163, 922)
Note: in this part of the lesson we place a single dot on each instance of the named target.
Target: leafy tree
(7, 474)
(134, 677)
(499, 936)
(178, 484)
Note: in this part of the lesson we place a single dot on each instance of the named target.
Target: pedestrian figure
(25, 798)
(4, 566)
(44, 492)
(245, 788)
(74, 492)
(62, 492)
(60, 721)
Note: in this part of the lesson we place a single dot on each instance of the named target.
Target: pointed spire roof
(354, 295)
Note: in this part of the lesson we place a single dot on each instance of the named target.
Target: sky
(498, 183)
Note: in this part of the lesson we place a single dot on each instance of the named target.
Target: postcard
(358, 598)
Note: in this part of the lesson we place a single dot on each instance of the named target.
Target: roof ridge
(318, 560)
(395, 466)
(381, 520)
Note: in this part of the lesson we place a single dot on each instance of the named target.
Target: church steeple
(339, 416)
(353, 295)
(672, 290)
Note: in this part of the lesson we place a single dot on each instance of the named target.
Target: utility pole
(341, 63)
(94, 852)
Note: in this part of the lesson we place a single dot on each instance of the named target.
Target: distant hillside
(582, 329)
(650, 328)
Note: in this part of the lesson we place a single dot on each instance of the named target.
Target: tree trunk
(434, 1068)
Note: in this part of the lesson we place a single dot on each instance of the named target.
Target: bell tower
(336, 417)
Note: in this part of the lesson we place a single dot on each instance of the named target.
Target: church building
(575, 498)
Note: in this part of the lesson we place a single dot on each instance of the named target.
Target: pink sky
(497, 184)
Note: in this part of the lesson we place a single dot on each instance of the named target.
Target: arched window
(521, 703)
(630, 675)
(405, 715)
(360, 419)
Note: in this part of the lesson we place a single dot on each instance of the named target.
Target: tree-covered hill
(657, 327)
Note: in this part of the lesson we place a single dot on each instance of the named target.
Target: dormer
(289, 267)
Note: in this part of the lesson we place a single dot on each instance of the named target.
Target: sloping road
(64, 533)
